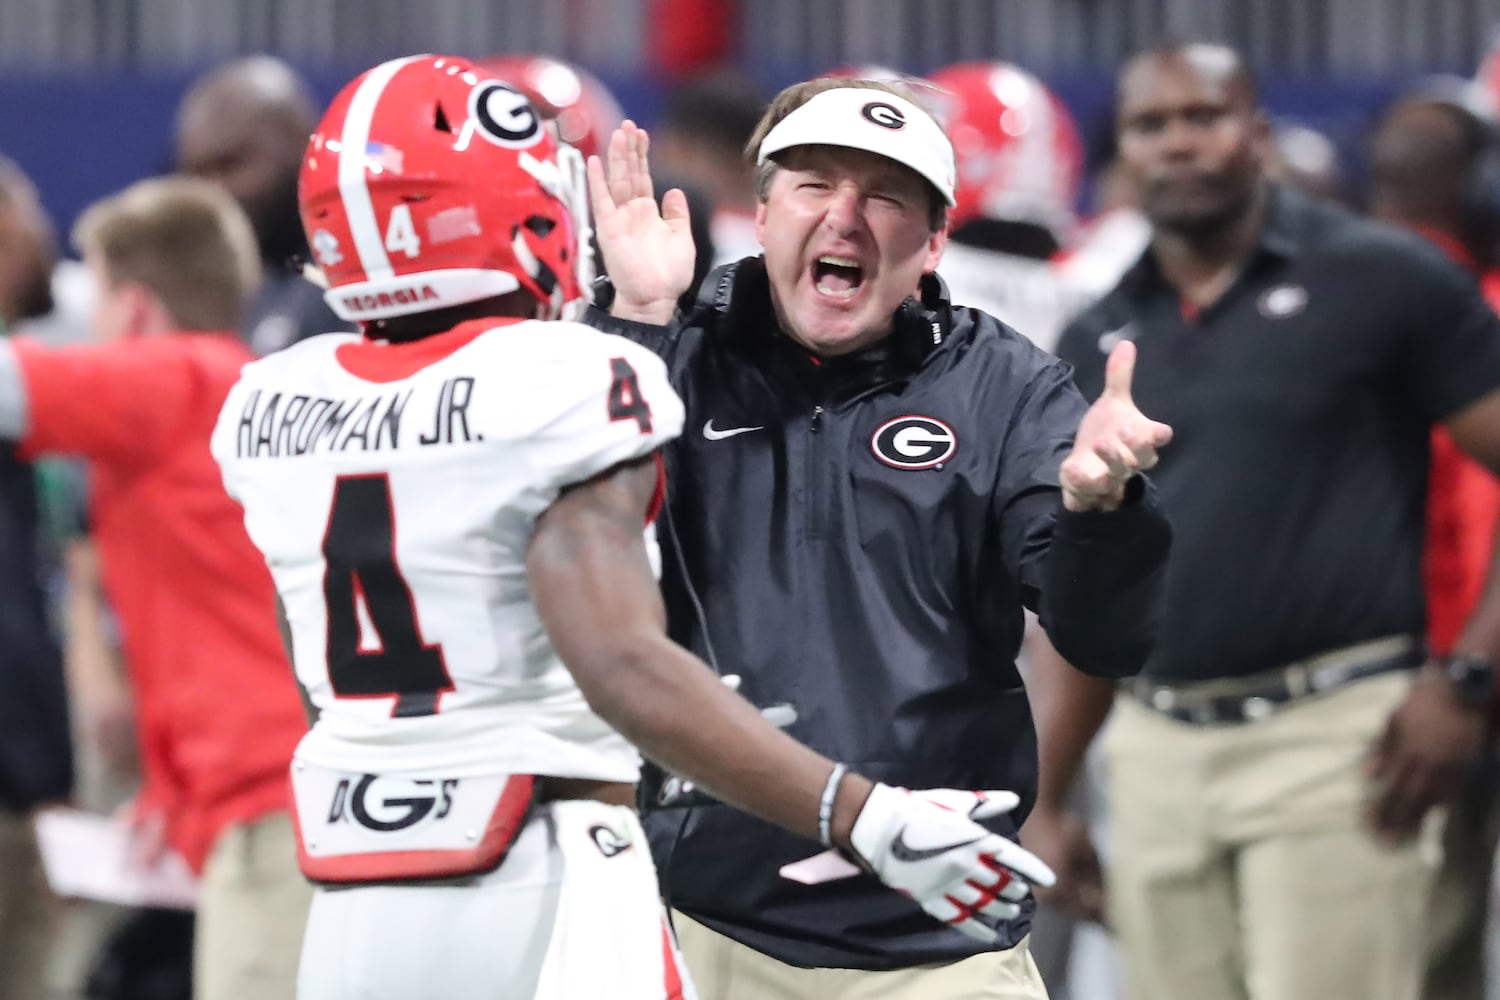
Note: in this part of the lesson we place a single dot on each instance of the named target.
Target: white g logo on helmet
(504, 115)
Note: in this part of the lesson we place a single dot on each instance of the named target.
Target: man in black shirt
(872, 484)
(1271, 769)
(244, 126)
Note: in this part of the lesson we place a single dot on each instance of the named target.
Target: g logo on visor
(883, 114)
(505, 116)
(914, 442)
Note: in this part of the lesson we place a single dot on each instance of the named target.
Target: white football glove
(927, 845)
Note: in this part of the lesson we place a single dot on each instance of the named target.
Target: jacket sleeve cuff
(1141, 507)
(1104, 585)
(657, 339)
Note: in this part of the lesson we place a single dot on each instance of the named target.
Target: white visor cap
(872, 120)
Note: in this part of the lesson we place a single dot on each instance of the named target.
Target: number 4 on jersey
(625, 401)
(359, 551)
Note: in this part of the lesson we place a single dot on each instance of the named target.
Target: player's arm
(285, 628)
(593, 586)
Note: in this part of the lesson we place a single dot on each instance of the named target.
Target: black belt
(1246, 699)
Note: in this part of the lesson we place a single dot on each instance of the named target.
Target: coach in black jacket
(870, 488)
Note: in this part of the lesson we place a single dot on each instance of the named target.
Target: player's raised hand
(1115, 441)
(648, 251)
(927, 845)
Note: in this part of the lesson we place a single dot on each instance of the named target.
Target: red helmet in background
(585, 111)
(1020, 157)
(429, 184)
(1487, 76)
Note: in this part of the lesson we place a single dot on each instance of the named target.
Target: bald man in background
(1429, 160)
(245, 126)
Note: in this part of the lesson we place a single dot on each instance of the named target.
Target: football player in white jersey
(457, 510)
(1014, 250)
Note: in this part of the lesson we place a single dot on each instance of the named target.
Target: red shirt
(1463, 508)
(217, 708)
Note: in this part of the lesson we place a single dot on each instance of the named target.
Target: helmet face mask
(431, 184)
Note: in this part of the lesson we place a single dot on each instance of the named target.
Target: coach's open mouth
(837, 277)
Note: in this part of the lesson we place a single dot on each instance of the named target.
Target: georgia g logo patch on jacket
(914, 442)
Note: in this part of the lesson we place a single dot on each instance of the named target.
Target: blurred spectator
(1433, 168)
(700, 140)
(585, 111)
(1307, 160)
(40, 295)
(245, 126)
(1273, 770)
(36, 754)
(1020, 164)
(217, 709)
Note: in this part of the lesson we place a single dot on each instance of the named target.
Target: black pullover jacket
(857, 536)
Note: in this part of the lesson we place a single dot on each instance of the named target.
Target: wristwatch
(1473, 678)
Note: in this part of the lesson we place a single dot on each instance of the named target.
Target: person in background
(1020, 165)
(1435, 168)
(701, 140)
(1306, 159)
(217, 711)
(1273, 771)
(243, 126)
(36, 750)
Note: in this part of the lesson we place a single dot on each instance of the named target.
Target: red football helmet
(585, 111)
(1487, 76)
(429, 183)
(1020, 158)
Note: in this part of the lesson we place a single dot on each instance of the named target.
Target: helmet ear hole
(440, 120)
(540, 225)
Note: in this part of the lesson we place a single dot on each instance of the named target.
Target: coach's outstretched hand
(1115, 441)
(648, 251)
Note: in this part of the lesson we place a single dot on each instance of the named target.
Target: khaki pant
(28, 911)
(251, 914)
(1241, 867)
(726, 970)
(1458, 915)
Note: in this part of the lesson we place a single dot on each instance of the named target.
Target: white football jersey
(1040, 297)
(1028, 294)
(393, 489)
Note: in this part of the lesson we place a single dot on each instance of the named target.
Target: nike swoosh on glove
(927, 845)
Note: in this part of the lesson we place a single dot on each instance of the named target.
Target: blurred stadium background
(88, 87)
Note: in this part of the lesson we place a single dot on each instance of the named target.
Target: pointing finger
(1119, 370)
